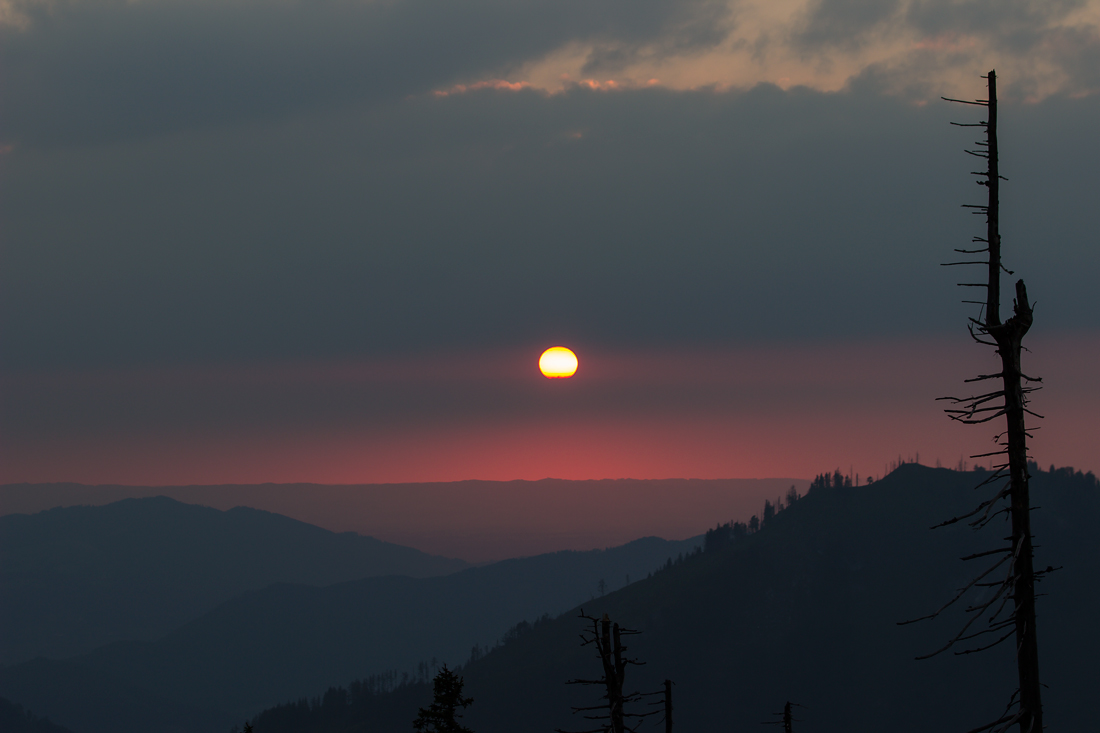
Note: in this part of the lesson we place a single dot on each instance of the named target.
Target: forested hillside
(277, 642)
(805, 609)
(14, 719)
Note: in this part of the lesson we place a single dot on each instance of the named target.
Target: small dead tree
(1008, 480)
(668, 706)
(665, 701)
(607, 639)
(786, 718)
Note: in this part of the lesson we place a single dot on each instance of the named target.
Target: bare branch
(987, 552)
(1008, 719)
(958, 595)
(987, 646)
(978, 102)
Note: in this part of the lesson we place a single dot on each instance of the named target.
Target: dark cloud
(1077, 52)
(1012, 28)
(496, 219)
(1017, 25)
(110, 69)
(696, 28)
(843, 23)
(918, 77)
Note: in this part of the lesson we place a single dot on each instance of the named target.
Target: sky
(327, 241)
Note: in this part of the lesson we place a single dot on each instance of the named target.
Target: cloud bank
(498, 219)
(241, 184)
(98, 70)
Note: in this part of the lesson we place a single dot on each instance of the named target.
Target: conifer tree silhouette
(442, 715)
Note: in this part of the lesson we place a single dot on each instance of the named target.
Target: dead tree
(1008, 481)
(607, 639)
(668, 706)
(665, 702)
(786, 718)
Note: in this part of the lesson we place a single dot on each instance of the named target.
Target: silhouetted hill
(805, 610)
(14, 719)
(479, 521)
(278, 642)
(76, 578)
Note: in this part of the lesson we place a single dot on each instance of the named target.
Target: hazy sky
(327, 240)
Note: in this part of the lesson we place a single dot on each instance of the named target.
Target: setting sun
(558, 362)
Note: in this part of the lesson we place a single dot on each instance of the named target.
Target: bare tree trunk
(607, 638)
(614, 668)
(1009, 337)
(668, 706)
(993, 210)
(1019, 583)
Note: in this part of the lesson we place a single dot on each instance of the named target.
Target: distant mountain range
(73, 579)
(478, 521)
(136, 558)
(805, 610)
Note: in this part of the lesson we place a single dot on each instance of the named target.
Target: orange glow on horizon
(558, 362)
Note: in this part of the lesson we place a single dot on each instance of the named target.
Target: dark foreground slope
(14, 719)
(806, 610)
(285, 640)
(76, 578)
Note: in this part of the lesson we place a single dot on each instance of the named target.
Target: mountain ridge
(264, 644)
(75, 578)
(805, 610)
(479, 521)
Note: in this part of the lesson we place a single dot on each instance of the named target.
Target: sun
(558, 362)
